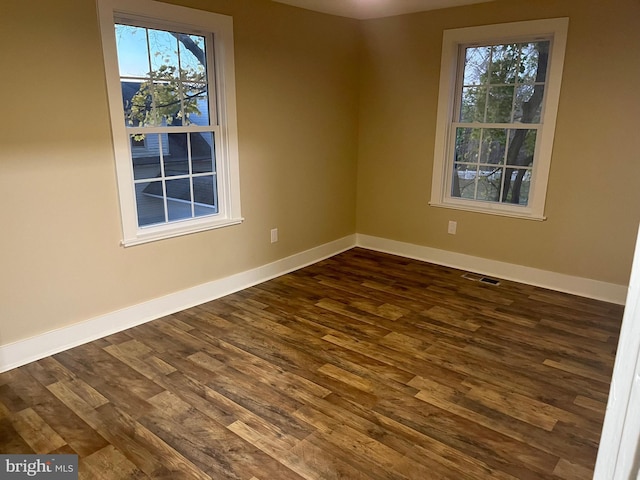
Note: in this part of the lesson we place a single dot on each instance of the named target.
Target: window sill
(492, 210)
(160, 233)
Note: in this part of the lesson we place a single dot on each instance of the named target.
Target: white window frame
(162, 15)
(556, 30)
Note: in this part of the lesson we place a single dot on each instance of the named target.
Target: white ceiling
(363, 9)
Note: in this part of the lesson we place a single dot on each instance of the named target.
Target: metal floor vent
(480, 278)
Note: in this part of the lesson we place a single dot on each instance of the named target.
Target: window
(499, 91)
(171, 94)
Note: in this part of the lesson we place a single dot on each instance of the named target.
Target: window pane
(133, 55)
(179, 199)
(467, 144)
(499, 104)
(136, 101)
(176, 156)
(193, 59)
(517, 186)
(476, 65)
(146, 158)
(203, 152)
(150, 203)
(533, 62)
(464, 177)
(489, 180)
(522, 144)
(528, 104)
(494, 141)
(205, 194)
(196, 104)
(504, 63)
(472, 106)
(164, 53)
(166, 106)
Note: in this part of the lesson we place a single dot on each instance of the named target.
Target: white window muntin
(220, 61)
(452, 62)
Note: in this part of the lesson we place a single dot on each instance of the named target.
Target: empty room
(319, 239)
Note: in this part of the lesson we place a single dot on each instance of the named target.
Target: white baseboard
(584, 287)
(49, 343)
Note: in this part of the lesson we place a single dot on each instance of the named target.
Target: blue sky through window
(135, 59)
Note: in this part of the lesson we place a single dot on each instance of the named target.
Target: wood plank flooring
(363, 366)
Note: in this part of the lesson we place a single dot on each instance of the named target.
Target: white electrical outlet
(274, 235)
(453, 226)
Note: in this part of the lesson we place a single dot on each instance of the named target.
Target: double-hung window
(499, 91)
(172, 99)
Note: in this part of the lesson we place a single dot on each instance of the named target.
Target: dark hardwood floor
(363, 366)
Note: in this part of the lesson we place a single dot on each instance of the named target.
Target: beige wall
(315, 137)
(59, 249)
(593, 201)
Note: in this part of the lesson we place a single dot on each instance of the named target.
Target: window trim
(161, 15)
(556, 29)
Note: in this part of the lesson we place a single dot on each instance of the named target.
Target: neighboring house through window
(172, 99)
(499, 91)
